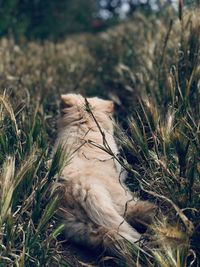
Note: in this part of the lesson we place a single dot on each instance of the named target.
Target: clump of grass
(28, 229)
(173, 246)
(164, 142)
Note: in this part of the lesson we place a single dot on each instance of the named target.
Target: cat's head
(76, 107)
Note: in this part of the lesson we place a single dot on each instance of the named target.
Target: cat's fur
(96, 208)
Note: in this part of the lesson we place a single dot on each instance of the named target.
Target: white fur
(94, 201)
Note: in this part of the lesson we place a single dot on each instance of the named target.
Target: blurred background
(54, 19)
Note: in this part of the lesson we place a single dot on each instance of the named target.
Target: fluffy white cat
(96, 208)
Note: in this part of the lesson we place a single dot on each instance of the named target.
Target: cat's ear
(106, 106)
(109, 106)
(67, 101)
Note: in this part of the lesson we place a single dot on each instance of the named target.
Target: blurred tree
(7, 15)
(55, 19)
(52, 18)
(45, 18)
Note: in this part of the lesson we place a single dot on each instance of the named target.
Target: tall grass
(164, 142)
(27, 229)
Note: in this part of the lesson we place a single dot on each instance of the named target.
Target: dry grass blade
(9, 110)
(188, 224)
(7, 187)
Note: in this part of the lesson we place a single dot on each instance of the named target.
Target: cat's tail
(140, 214)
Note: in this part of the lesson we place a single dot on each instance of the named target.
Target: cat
(96, 206)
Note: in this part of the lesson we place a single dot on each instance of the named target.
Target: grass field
(150, 68)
